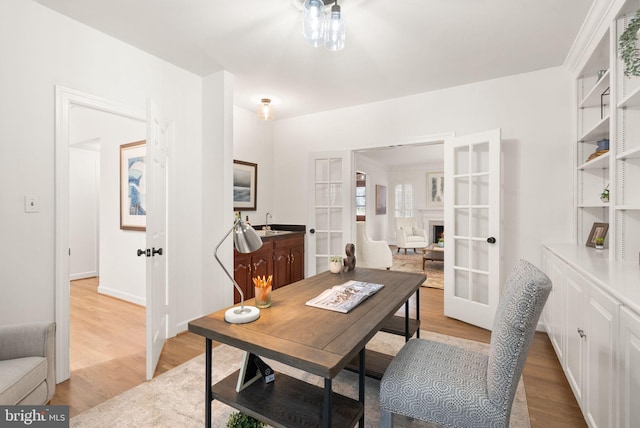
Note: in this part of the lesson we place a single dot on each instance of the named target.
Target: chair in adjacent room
(409, 236)
(27, 363)
(451, 386)
(371, 254)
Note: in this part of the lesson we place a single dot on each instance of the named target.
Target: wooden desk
(315, 340)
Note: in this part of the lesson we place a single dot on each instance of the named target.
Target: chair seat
(20, 377)
(426, 377)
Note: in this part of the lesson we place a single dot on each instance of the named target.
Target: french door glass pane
(322, 169)
(461, 288)
(480, 222)
(480, 287)
(480, 254)
(480, 159)
(461, 253)
(461, 190)
(322, 194)
(480, 195)
(461, 218)
(461, 160)
(336, 218)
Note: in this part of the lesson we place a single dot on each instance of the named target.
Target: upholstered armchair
(371, 254)
(409, 236)
(450, 386)
(27, 363)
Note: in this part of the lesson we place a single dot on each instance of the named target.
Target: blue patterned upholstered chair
(453, 387)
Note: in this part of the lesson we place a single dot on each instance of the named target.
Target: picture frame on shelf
(435, 189)
(598, 230)
(133, 189)
(245, 185)
(381, 199)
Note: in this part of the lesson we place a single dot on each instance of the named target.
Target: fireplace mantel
(430, 218)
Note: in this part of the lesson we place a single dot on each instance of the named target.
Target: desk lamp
(245, 240)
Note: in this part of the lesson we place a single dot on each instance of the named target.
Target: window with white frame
(404, 200)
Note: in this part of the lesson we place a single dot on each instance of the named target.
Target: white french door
(330, 206)
(156, 278)
(472, 234)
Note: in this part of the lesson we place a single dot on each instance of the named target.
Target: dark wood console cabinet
(281, 256)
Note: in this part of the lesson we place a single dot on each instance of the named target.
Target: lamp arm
(235, 284)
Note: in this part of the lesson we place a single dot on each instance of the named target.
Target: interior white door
(329, 226)
(472, 227)
(156, 171)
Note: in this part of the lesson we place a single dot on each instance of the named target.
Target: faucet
(266, 221)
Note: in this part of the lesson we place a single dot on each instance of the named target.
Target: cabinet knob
(581, 333)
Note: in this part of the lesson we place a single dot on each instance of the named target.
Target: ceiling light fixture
(265, 111)
(320, 28)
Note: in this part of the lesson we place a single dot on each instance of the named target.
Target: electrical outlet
(31, 203)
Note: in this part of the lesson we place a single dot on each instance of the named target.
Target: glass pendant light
(334, 31)
(313, 22)
(265, 111)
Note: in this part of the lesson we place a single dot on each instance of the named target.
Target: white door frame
(65, 99)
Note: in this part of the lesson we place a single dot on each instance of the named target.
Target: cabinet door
(281, 271)
(574, 309)
(629, 377)
(242, 275)
(261, 264)
(601, 374)
(297, 264)
(554, 309)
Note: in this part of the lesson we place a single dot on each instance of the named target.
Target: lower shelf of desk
(396, 325)
(287, 402)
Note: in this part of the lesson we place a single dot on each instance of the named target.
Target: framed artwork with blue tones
(435, 189)
(245, 185)
(133, 188)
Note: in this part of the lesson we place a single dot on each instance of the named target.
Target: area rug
(412, 262)
(176, 398)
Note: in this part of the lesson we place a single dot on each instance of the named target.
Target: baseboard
(122, 296)
(82, 275)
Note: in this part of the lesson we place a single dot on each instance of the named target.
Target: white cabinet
(629, 379)
(583, 324)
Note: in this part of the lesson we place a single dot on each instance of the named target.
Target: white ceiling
(393, 48)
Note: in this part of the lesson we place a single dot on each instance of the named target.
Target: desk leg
(361, 384)
(406, 321)
(208, 396)
(326, 410)
(418, 311)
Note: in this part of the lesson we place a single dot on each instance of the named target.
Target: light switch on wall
(32, 203)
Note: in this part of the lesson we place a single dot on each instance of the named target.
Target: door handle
(491, 240)
(312, 231)
(154, 251)
(146, 252)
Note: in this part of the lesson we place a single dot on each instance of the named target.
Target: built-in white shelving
(600, 162)
(598, 131)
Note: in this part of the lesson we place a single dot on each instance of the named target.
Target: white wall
(533, 110)
(41, 49)
(84, 197)
(377, 174)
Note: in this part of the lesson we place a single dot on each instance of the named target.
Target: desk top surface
(315, 340)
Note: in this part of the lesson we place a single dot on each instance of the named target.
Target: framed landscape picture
(245, 185)
(381, 199)
(133, 188)
(435, 189)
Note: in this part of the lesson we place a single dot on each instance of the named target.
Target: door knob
(154, 251)
(491, 240)
(312, 231)
(146, 252)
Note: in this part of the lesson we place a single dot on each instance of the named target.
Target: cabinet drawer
(294, 241)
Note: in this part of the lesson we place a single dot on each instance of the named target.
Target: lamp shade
(265, 111)
(313, 22)
(245, 238)
(334, 29)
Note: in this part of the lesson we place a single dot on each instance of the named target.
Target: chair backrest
(405, 222)
(521, 303)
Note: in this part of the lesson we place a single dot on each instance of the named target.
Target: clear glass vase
(263, 297)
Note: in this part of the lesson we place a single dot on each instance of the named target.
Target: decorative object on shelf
(263, 288)
(603, 104)
(604, 196)
(241, 420)
(245, 240)
(265, 111)
(603, 144)
(599, 243)
(350, 260)
(381, 199)
(598, 230)
(335, 264)
(320, 28)
(245, 185)
(441, 242)
(601, 74)
(133, 190)
(629, 52)
(596, 154)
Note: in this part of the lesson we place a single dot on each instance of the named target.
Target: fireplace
(438, 232)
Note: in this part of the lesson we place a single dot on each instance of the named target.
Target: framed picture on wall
(381, 199)
(435, 189)
(133, 188)
(245, 185)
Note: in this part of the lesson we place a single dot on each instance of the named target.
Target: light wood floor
(108, 355)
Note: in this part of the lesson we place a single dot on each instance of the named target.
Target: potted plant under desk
(241, 420)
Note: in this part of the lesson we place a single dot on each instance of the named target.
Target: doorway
(75, 111)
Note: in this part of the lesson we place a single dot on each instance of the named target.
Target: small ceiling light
(334, 32)
(265, 111)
